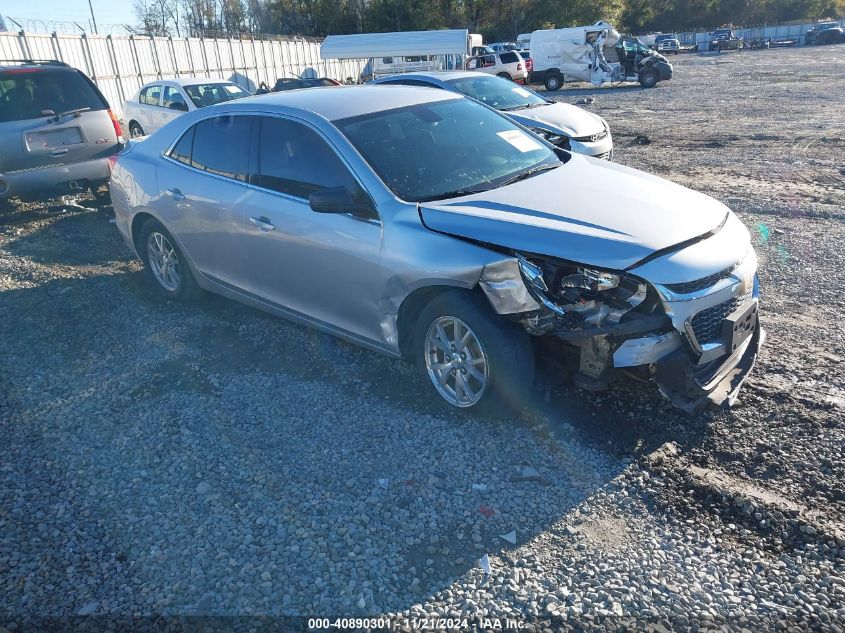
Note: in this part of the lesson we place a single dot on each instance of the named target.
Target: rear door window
(221, 146)
(295, 160)
(33, 93)
(150, 95)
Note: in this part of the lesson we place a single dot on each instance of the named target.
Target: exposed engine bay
(615, 322)
(590, 309)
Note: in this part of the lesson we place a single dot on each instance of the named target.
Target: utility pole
(93, 19)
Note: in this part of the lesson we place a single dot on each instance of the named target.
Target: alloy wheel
(456, 362)
(164, 261)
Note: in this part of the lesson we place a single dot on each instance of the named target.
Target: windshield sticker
(522, 92)
(520, 140)
(232, 89)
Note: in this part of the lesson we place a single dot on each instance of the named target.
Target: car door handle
(59, 151)
(262, 223)
(177, 195)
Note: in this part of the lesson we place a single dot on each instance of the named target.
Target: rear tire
(553, 81)
(648, 78)
(165, 263)
(483, 364)
(135, 130)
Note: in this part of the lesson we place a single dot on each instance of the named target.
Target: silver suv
(56, 131)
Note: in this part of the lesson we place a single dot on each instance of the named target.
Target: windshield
(496, 92)
(208, 94)
(663, 38)
(829, 25)
(444, 149)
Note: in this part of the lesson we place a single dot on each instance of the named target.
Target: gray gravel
(171, 459)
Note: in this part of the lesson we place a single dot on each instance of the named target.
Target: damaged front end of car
(696, 340)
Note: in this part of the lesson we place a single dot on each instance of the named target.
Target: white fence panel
(121, 65)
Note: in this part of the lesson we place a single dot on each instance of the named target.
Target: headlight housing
(552, 137)
(581, 295)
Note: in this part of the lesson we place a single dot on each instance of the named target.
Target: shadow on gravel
(179, 430)
(593, 91)
(74, 236)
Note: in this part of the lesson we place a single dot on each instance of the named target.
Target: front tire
(471, 358)
(648, 78)
(165, 263)
(553, 81)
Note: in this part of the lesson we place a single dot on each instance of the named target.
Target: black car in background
(292, 83)
(825, 33)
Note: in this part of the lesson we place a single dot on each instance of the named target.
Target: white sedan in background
(159, 102)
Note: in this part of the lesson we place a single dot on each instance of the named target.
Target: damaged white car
(422, 224)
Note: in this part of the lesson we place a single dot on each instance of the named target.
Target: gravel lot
(171, 459)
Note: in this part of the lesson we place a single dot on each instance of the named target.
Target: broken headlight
(591, 297)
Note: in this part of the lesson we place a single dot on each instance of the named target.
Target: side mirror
(178, 105)
(341, 200)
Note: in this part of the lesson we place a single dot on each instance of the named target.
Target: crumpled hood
(572, 120)
(588, 211)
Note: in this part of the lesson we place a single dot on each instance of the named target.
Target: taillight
(117, 131)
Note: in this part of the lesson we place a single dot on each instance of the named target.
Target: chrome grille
(699, 284)
(707, 324)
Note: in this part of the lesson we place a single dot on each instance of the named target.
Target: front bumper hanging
(691, 387)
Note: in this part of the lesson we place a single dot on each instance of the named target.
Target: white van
(595, 53)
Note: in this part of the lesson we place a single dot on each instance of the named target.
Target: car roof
(329, 103)
(190, 81)
(51, 64)
(444, 75)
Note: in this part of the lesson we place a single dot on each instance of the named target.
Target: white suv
(506, 64)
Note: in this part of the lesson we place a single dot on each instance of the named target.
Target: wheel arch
(412, 306)
(138, 222)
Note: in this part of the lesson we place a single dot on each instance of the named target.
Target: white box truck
(595, 53)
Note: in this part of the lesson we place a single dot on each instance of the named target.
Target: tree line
(496, 19)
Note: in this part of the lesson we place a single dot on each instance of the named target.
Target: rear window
(509, 58)
(31, 94)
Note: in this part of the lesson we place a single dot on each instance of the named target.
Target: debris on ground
(484, 563)
(486, 511)
(528, 473)
(510, 537)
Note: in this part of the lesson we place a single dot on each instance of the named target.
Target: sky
(107, 12)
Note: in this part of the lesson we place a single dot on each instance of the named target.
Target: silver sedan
(422, 224)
